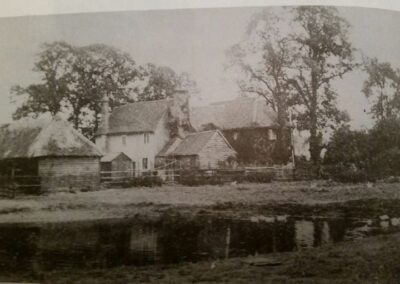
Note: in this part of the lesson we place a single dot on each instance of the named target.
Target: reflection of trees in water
(304, 234)
(212, 238)
(338, 228)
(177, 239)
(321, 232)
(18, 249)
(170, 239)
(143, 244)
(261, 237)
(113, 245)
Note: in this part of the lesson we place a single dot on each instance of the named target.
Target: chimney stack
(180, 111)
(105, 115)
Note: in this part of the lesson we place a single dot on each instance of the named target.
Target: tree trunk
(282, 143)
(315, 146)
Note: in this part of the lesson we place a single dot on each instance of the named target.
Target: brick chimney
(101, 137)
(180, 112)
(105, 115)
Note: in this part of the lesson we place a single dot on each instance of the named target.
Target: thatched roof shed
(50, 153)
(30, 138)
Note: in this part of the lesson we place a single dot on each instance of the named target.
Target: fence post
(13, 186)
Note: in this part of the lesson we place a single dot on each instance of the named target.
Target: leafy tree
(74, 80)
(263, 57)
(383, 87)
(161, 82)
(294, 67)
(348, 148)
(376, 151)
(385, 141)
(323, 53)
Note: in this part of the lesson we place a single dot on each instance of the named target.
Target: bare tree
(264, 57)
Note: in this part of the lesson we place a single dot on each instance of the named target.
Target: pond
(35, 248)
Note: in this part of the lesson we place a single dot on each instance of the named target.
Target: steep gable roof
(234, 114)
(192, 144)
(28, 138)
(136, 117)
(112, 156)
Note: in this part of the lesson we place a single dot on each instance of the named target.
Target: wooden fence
(173, 175)
(11, 185)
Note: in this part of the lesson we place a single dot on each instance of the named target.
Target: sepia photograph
(189, 143)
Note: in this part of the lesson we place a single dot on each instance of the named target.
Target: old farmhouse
(48, 153)
(153, 133)
(248, 124)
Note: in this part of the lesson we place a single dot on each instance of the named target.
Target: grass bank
(294, 198)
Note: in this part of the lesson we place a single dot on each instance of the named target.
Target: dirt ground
(313, 197)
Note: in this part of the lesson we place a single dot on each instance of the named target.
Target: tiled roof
(136, 117)
(234, 114)
(112, 156)
(192, 144)
(28, 138)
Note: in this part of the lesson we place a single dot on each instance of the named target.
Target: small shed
(50, 153)
(117, 164)
(200, 150)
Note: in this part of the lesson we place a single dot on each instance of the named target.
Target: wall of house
(215, 152)
(255, 146)
(135, 146)
(58, 174)
(101, 142)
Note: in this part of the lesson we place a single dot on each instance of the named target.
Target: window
(144, 163)
(124, 140)
(235, 135)
(146, 138)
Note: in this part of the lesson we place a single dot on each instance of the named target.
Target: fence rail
(10, 185)
(174, 175)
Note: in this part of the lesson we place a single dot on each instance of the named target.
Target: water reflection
(171, 239)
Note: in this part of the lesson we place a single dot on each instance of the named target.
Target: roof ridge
(138, 102)
(204, 131)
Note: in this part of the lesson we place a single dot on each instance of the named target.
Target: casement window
(272, 134)
(123, 140)
(145, 162)
(146, 138)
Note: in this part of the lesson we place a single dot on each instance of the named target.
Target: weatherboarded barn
(117, 164)
(50, 149)
(248, 124)
(201, 150)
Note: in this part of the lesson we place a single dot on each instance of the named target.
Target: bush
(144, 181)
(192, 178)
(351, 176)
(346, 174)
(266, 177)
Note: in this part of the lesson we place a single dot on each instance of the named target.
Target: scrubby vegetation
(143, 181)
(359, 155)
(256, 177)
(194, 178)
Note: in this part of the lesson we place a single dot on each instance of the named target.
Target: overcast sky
(193, 41)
